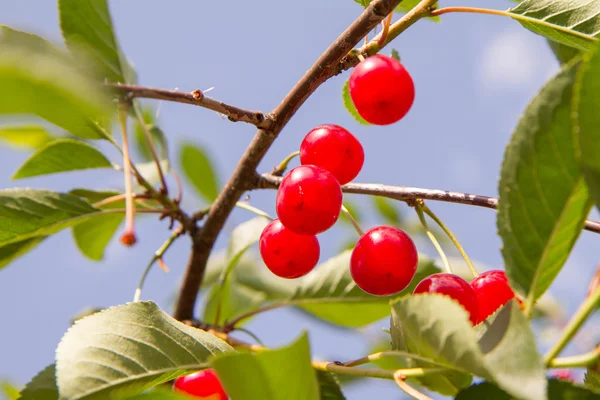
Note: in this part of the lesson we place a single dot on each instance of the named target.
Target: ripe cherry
(334, 149)
(288, 254)
(384, 261)
(382, 90)
(203, 384)
(309, 200)
(492, 291)
(453, 286)
(563, 375)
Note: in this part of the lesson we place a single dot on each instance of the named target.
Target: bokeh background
(474, 75)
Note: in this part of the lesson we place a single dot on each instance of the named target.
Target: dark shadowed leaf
(87, 27)
(25, 136)
(329, 386)
(198, 169)
(563, 53)
(543, 196)
(588, 104)
(62, 155)
(160, 394)
(270, 375)
(349, 104)
(557, 390)
(574, 23)
(12, 251)
(592, 379)
(124, 350)
(42, 386)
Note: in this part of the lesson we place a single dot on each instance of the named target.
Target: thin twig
(280, 169)
(400, 379)
(196, 98)
(148, 136)
(407, 193)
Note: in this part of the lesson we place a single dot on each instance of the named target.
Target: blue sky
(473, 74)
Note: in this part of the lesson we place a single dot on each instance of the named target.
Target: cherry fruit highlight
(384, 261)
(381, 89)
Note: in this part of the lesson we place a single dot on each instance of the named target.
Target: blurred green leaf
(25, 136)
(87, 27)
(93, 235)
(269, 375)
(12, 251)
(387, 210)
(395, 55)
(198, 169)
(557, 390)
(349, 104)
(543, 199)
(592, 379)
(62, 155)
(128, 349)
(10, 391)
(354, 211)
(43, 83)
(32, 41)
(147, 115)
(572, 23)
(42, 386)
(407, 5)
(156, 394)
(437, 327)
(150, 173)
(329, 386)
(587, 103)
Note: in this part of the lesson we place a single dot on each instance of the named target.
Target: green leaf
(127, 349)
(557, 390)
(592, 379)
(282, 374)
(43, 83)
(87, 27)
(573, 23)
(163, 394)
(27, 213)
(158, 137)
(329, 386)
(199, 170)
(387, 210)
(10, 391)
(543, 197)
(395, 55)
(93, 235)
(42, 386)
(61, 156)
(12, 251)
(329, 293)
(25, 136)
(407, 5)
(563, 53)
(349, 104)
(437, 327)
(587, 103)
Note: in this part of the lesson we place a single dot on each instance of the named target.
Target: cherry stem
(400, 380)
(580, 361)
(118, 197)
(158, 254)
(352, 220)
(229, 326)
(129, 203)
(179, 186)
(502, 13)
(148, 136)
(280, 169)
(257, 211)
(581, 315)
(393, 353)
(386, 28)
(453, 238)
(436, 244)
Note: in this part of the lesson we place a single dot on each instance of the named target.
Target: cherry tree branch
(406, 193)
(196, 98)
(326, 66)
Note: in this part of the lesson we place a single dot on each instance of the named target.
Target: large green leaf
(574, 23)
(329, 293)
(587, 104)
(563, 53)
(12, 251)
(437, 327)
(93, 235)
(127, 349)
(199, 170)
(282, 374)
(61, 156)
(543, 199)
(43, 83)
(592, 379)
(42, 386)
(87, 27)
(350, 107)
(329, 386)
(557, 390)
(25, 136)
(27, 213)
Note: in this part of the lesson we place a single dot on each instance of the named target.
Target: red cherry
(309, 200)
(563, 375)
(453, 286)
(334, 149)
(382, 90)
(384, 261)
(288, 254)
(492, 291)
(203, 384)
